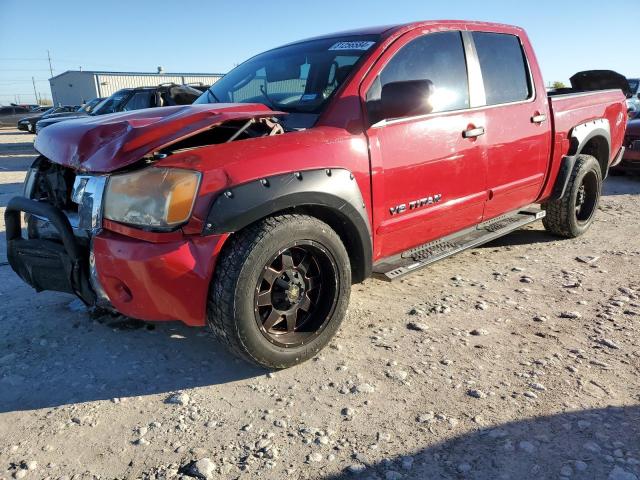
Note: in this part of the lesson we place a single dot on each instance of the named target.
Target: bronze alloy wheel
(296, 294)
(587, 198)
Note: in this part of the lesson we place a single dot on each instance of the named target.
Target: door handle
(539, 118)
(473, 132)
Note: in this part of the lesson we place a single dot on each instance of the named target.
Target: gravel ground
(520, 359)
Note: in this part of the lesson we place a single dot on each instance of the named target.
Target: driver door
(428, 170)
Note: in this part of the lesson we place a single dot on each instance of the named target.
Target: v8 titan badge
(415, 204)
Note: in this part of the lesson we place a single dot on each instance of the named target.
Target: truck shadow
(585, 444)
(525, 236)
(53, 354)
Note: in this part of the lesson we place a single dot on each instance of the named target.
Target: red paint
(153, 237)
(106, 143)
(157, 281)
(157, 276)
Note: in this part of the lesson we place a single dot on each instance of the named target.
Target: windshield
(633, 85)
(111, 104)
(298, 78)
(87, 107)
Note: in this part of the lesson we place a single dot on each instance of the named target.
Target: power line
(50, 68)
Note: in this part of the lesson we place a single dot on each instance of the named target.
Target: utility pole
(50, 68)
(35, 92)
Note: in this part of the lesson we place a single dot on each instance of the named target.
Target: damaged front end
(68, 199)
(62, 210)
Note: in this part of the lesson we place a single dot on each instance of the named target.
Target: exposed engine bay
(229, 132)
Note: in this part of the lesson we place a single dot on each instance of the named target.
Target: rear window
(504, 68)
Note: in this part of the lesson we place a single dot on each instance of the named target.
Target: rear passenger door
(517, 127)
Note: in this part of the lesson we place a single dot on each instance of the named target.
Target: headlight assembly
(152, 197)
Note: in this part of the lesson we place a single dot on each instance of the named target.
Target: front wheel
(280, 290)
(573, 214)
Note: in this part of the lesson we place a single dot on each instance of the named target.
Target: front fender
(333, 191)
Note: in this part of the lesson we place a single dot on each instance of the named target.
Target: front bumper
(46, 264)
(140, 279)
(157, 281)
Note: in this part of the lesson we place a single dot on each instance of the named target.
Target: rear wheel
(573, 214)
(280, 290)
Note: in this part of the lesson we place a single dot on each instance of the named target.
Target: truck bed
(576, 108)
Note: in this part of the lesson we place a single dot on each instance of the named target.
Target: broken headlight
(152, 197)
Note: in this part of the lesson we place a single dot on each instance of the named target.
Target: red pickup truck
(306, 169)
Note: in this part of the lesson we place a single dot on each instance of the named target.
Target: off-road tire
(561, 218)
(231, 309)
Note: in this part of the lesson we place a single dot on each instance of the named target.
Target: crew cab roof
(391, 30)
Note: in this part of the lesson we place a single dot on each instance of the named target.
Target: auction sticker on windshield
(352, 45)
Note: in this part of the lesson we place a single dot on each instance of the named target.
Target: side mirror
(406, 99)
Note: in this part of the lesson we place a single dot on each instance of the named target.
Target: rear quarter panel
(569, 111)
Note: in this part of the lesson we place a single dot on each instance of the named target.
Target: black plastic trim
(334, 191)
(26, 256)
(618, 158)
(578, 143)
(562, 180)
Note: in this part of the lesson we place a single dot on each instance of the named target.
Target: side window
(504, 68)
(139, 100)
(438, 57)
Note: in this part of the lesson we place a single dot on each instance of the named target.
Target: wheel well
(350, 236)
(598, 147)
(359, 254)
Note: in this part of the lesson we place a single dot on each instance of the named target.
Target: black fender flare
(581, 135)
(332, 194)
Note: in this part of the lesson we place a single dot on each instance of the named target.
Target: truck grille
(78, 196)
(53, 184)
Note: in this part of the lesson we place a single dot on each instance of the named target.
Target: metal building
(75, 87)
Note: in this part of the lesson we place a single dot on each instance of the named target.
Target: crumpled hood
(106, 143)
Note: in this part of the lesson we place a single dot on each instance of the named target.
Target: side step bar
(419, 257)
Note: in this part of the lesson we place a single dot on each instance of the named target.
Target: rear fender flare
(332, 193)
(581, 135)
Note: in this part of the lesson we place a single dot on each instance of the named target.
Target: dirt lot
(517, 360)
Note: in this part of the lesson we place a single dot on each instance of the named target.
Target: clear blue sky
(213, 36)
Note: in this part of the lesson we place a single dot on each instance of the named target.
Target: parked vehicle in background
(633, 102)
(39, 108)
(88, 107)
(28, 124)
(81, 111)
(137, 98)
(308, 168)
(11, 114)
(631, 158)
(199, 86)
